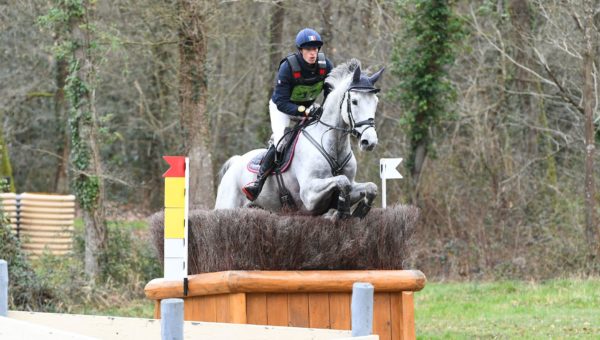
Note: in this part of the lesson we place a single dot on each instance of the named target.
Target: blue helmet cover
(308, 37)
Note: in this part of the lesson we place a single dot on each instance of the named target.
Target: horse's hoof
(361, 210)
(343, 215)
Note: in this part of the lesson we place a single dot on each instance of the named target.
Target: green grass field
(558, 309)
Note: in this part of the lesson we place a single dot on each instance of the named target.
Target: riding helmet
(308, 38)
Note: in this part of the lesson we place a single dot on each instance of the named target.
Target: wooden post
(407, 318)
(171, 322)
(3, 288)
(362, 309)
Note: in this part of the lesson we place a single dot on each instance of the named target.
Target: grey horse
(321, 176)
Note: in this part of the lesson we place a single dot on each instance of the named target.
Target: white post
(383, 194)
(3, 288)
(362, 309)
(186, 216)
(171, 319)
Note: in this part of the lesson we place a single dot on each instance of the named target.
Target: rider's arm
(283, 91)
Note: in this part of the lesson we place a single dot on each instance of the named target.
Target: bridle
(370, 122)
(336, 167)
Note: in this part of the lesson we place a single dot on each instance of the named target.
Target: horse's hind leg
(343, 205)
(229, 196)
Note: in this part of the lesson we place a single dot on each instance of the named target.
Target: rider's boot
(252, 190)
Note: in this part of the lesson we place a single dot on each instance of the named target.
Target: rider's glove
(314, 110)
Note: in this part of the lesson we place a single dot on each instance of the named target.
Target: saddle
(283, 158)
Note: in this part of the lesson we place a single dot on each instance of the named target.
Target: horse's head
(353, 97)
(358, 112)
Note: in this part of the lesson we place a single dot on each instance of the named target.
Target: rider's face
(310, 54)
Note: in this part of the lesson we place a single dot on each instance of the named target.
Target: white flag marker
(388, 170)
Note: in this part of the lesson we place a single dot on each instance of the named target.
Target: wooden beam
(286, 282)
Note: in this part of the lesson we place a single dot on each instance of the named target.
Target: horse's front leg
(364, 194)
(318, 189)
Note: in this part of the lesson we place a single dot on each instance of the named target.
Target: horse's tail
(226, 166)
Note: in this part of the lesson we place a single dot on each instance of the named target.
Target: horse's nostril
(364, 142)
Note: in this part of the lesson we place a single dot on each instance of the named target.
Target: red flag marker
(177, 168)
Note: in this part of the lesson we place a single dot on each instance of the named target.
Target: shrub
(26, 290)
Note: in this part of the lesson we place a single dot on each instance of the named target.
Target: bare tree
(277, 17)
(590, 39)
(88, 178)
(192, 98)
(566, 58)
(61, 181)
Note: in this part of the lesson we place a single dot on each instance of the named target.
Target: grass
(135, 308)
(557, 309)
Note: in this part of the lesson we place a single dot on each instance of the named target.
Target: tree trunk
(366, 16)
(327, 32)
(275, 46)
(7, 181)
(589, 103)
(275, 37)
(521, 20)
(61, 180)
(192, 99)
(88, 179)
(420, 153)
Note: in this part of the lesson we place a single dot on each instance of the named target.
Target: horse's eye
(354, 102)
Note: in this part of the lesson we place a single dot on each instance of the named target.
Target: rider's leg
(252, 190)
(279, 121)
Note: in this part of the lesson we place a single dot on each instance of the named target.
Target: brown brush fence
(253, 239)
(43, 222)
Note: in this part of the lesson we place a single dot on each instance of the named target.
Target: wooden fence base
(315, 299)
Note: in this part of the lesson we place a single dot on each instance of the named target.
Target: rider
(300, 80)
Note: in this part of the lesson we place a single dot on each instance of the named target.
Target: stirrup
(249, 195)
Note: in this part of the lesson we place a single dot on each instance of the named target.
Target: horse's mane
(339, 79)
(341, 72)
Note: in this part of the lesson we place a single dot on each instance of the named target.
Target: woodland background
(492, 103)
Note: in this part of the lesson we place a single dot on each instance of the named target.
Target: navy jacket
(284, 84)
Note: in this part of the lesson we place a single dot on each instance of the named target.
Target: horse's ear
(356, 77)
(376, 76)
